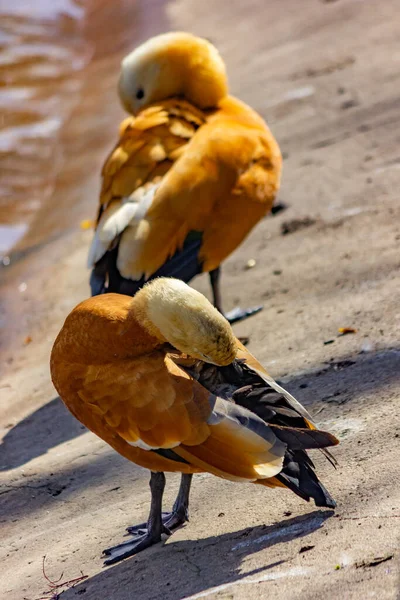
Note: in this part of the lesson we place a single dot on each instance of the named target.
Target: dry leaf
(346, 330)
(87, 224)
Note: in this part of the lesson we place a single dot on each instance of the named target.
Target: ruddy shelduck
(162, 379)
(193, 172)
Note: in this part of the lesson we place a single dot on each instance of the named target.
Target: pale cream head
(172, 64)
(174, 312)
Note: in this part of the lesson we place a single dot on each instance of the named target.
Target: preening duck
(193, 172)
(162, 379)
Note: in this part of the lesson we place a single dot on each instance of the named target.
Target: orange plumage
(193, 161)
(162, 379)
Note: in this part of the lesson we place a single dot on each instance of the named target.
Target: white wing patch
(117, 217)
(98, 248)
(145, 201)
(131, 243)
(140, 444)
(117, 222)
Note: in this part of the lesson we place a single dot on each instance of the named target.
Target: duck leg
(214, 280)
(180, 511)
(236, 314)
(153, 531)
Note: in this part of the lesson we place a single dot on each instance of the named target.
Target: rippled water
(60, 58)
(42, 51)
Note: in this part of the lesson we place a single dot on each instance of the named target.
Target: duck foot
(239, 314)
(150, 533)
(154, 529)
(131, 547)
(171, 520)
(236, 314)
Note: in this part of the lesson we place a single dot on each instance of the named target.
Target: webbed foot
(239, 314)
(131, 547)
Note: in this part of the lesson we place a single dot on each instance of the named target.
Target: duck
(193, 171)
(162, 379)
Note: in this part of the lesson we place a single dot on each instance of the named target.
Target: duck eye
(140, 94)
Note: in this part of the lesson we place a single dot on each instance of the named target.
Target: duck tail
(299, 476)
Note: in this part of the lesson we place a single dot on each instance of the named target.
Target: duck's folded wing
(240, 447)
(252, 366)
(147, 147)
(221, 185)
(151, 410)
(285, 410)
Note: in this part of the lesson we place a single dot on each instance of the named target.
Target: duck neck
(138, 320)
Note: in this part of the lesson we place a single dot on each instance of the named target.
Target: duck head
(175, 313)
(169, 65)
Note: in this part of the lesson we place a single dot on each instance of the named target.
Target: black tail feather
(302, 439)
(298, 475)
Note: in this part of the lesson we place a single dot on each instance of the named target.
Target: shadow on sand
(49, 426)
(187, 569)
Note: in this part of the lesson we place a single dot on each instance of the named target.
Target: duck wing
(245, 385)
(154, 413)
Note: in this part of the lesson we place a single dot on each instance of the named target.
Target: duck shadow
(189, 569)
(47, 427)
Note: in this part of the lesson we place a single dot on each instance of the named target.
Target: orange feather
(120, 382)
(116, 371)
(214, 169)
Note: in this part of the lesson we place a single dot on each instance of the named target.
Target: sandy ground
(325, 75)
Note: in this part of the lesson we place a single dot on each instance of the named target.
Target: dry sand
(326, 77)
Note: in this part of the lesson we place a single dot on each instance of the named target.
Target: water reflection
(9, 236)
(42, 52)
(60, 58)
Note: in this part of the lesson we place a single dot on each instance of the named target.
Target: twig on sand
(55, 586)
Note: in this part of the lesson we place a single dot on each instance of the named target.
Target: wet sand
(326, 78)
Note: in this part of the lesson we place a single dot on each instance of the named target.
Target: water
(59, 112)
(42, 52)
(9, 237)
